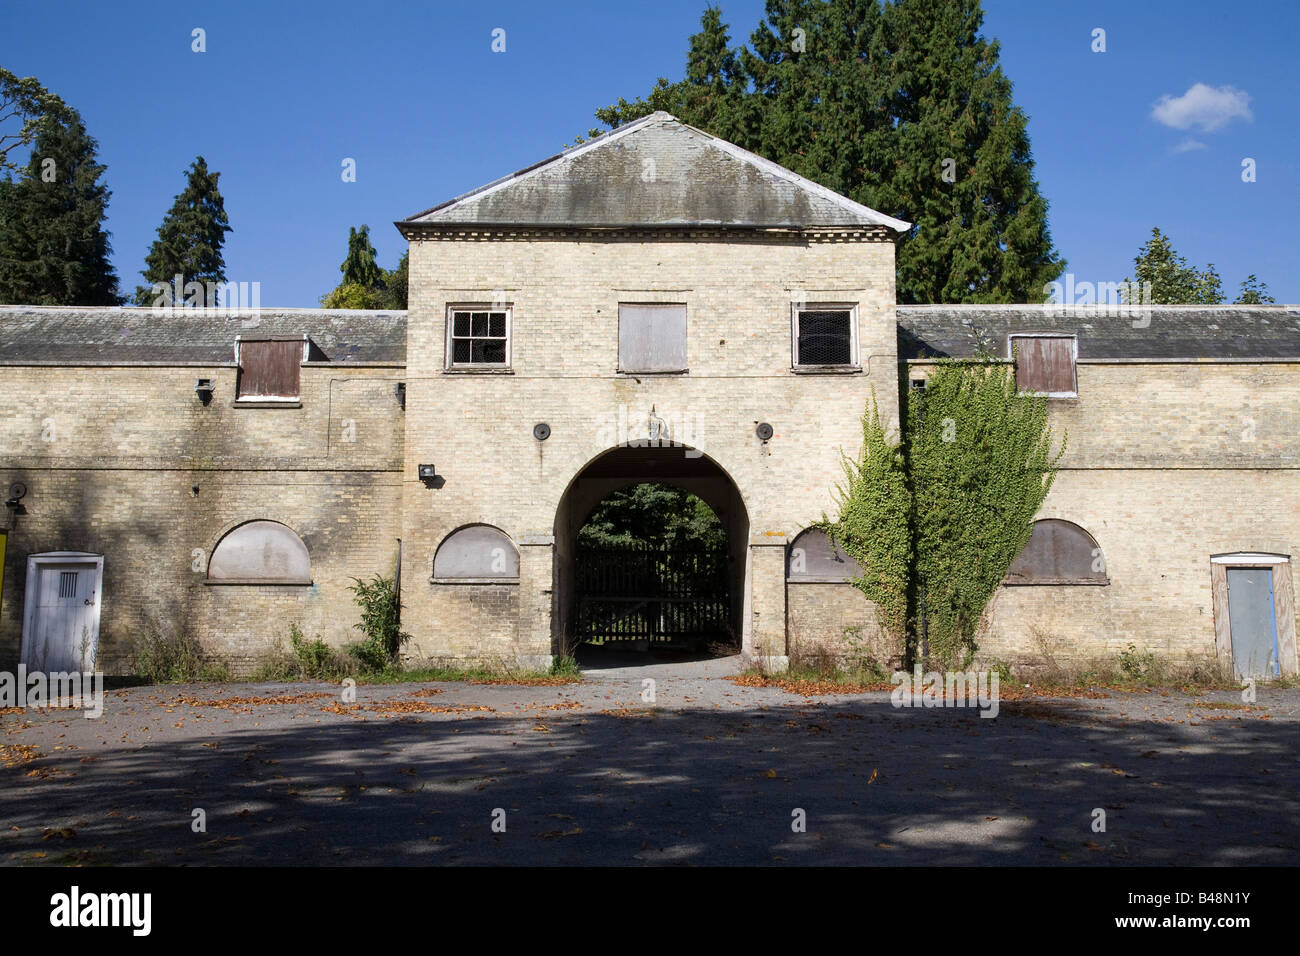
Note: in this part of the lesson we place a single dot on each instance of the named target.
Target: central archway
(622, 467)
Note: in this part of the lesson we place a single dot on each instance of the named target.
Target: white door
(61, 630)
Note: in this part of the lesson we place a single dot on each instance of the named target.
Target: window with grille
(1045, 364)
(67, 584)
(651, 337)
(825, 336)
(269, 369)
(478, 337)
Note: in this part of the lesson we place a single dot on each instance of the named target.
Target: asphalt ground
(602, 772)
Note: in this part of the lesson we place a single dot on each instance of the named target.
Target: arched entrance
(682, 605)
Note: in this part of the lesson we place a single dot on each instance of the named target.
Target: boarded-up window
(1045, 364)
(269, 370)
(824, 337)
(1058, 552)
(260, 552)
(813, 557)
(478, 551)
(478, 336)
(651, 338)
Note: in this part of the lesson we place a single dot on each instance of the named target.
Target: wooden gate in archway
(646, 593)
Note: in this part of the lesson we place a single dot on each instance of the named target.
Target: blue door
(1252, 622)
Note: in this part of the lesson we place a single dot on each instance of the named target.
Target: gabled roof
(655, 171)
(1169, 332)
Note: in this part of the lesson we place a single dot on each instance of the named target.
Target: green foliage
(190, 238)
(566, 665)
(1138, 666)
(394, 284)
(1003, 670)
(980, 461)
(1253, 292)
(365, 285)
(26, 107)
(303, 660)
(941, 517)
(873, 526)
(654, 514)
(1172, 280)
(173, 657)
(316, 659)
(380, 623)
(360, 268)
(54, 249)
(869, 100)
(351, 296)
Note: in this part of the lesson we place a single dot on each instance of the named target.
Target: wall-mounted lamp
(399, 392)
(14, 504)
(204, 388)
(763, 431)
(427, 473)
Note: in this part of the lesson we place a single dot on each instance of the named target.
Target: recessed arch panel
(477, 551)
(813, 557)
(1058, 552)
(260, 552)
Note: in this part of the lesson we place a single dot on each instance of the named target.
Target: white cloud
(1206, 107)
(1187, 145)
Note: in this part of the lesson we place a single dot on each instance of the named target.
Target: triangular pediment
(656, 171)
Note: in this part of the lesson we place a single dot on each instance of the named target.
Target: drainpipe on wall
(397, 581)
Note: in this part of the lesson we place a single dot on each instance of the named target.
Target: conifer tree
(901, 107)
(359, 267)
(54, 249)
(961, 168)
(190, 238)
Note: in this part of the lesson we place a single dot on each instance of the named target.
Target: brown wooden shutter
(1045, 364)
(269, 369)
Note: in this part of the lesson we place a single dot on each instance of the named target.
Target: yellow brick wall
(477, 428)
(1166, 465)
(111, 456)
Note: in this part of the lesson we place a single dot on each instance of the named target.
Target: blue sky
(414, 93)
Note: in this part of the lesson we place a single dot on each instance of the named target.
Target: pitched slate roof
(49, 334)
(1166, 332)
(68, 335)
(655, 171)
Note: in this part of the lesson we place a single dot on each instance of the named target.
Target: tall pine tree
(962, 170)
(360, 267)
(190, 238)
(365, 284)
(54, 249)
(902, 107)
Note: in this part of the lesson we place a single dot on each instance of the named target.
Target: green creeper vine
(873, 525)
(938, 519)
